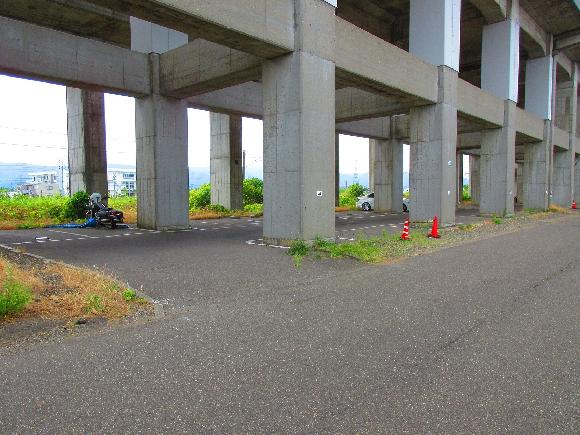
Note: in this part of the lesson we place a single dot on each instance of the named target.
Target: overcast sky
(33, 130)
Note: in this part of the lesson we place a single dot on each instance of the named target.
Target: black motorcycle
(103, 215)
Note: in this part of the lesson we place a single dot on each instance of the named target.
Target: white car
(367, 203)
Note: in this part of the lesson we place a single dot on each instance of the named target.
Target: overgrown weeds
(59, 291)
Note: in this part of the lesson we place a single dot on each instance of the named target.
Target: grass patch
(298, 250)
(59, 291)
(497, 220)
(14, 295)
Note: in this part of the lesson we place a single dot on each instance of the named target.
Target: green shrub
(466, 194)
(218, 208)
(129, 295)
(253, 191)
(14, 296)
(200, 197)
(349, 196)
(254, 208)
(75, 208)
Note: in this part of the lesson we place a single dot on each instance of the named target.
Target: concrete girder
(73, 16)
(264, 28)
(493, 10)
(370, 62)
(567, 41)
(534, 39)
(39, 53)
(202, 66)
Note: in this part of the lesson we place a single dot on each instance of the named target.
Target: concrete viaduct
(495, 79)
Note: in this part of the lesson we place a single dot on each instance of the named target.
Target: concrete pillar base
(388, 170)
(536, 172)
(226, 161)
(299, 146)
(474, 179)
(433, 152)
(497, 166)
(162, 171)
(87, 153)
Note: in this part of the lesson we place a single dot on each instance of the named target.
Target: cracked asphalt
(482, 337)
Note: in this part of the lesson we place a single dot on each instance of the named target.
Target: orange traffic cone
(405, 234)
(574, 205)
(435, 229)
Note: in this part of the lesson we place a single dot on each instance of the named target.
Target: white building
(41, 184)
(121, 182)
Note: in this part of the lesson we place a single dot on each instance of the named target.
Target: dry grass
(341, 209)
(557, 209)
(67, 292)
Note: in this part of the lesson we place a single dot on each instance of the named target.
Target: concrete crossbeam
(39, 53)
(87, 153)
(529, 125)
(162, 173)
(226, 160)
(493, 10)
(480, 105)
(566, 42)
(497, 166)
(245, 99)
(202, 66)
(370, 61)
(261, 27)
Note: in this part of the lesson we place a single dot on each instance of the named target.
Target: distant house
(122, 182)
(40, 184)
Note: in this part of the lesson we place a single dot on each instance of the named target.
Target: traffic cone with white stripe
(405, 234)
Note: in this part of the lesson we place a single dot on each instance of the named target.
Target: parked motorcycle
(102, 214)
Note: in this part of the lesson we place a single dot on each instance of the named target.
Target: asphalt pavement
(482, 337)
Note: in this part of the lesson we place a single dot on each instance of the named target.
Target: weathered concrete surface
(368, 61)
(337, 170)
(474, 179)
(500, 59)
(479, 105)
(261, 27)
(529, 125)
(497, 166)
(459, 177)
(162, 173)
(72, 16)
(373, 128)
(536, 172)
(433, 152)
(245, 99)
(299, 133)
(202, 66)
(388, 174)
(148, 37)
(39, 53)
(434, 31)
(226, 164)
(87, 152)
(563, 183)
(539, 86)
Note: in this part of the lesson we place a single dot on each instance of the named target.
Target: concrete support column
(519, 186)
(161, 136)
(563, 183)
(299, 130)
(474, 179)
(388, 169)
(434, 31)
(87, 152)
(459, 167)
(337, 170)
(536, 172)
(497, 165)
(226, 160)
(162, 172)
(372, 158)
(539, 86)
(433, 131)
(500, 59)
